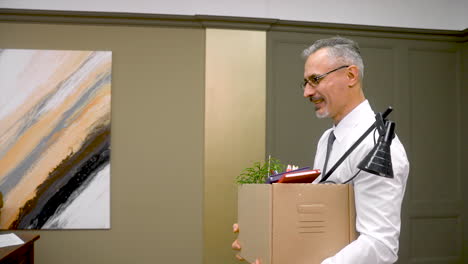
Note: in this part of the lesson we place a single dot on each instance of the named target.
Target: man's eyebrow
(311, 76)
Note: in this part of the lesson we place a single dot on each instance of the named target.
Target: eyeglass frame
(310, 80)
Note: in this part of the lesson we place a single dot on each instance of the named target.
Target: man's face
(329, 95)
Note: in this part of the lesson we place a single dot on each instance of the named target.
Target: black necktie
(331, 139)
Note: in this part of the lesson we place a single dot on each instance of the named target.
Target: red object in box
(307, 176)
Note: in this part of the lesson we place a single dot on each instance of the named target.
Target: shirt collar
(351, 120)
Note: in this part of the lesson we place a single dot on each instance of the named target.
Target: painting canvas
(55, 116)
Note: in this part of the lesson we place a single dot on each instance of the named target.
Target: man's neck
(349, 107)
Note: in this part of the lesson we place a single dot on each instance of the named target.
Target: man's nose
(309, 91)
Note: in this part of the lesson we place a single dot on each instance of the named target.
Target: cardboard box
(294, 223)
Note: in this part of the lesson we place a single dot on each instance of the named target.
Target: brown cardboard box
(294, 223)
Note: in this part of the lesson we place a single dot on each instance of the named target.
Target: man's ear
(353, 75)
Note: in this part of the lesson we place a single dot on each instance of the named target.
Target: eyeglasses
(314, 80)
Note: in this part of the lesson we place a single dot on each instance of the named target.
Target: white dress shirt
(378, 199)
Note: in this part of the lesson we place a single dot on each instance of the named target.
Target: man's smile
(316, 100)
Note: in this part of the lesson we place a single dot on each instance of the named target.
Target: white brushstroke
(12, 64)
(76, 80)
(39, 66)
(90, 209)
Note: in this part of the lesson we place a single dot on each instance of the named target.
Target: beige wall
(234, 129)
(157, 143)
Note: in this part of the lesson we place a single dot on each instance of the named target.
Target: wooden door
(422, 80)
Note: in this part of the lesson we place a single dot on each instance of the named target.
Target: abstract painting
(55, 117)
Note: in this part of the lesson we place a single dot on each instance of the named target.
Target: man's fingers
(238, 257)
(235, 245)
(257, 261)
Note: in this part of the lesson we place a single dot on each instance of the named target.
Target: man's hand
(236, 246)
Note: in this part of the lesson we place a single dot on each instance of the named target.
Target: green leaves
(259, 172)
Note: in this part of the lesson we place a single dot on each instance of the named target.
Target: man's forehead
(318, 58)
(317, 62)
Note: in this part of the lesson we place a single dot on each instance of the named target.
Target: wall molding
(208, 21)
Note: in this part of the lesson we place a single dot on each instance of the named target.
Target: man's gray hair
(341, 49)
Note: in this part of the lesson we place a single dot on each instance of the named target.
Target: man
(333, 74)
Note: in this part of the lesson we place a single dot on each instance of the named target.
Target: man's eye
(313, 79)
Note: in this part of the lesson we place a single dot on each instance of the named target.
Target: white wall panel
(429, 14)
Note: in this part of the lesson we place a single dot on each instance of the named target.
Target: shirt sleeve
(378, 206)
